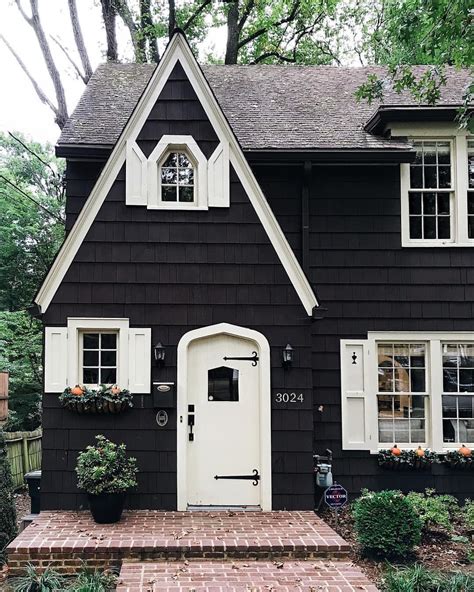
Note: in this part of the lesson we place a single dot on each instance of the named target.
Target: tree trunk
(79, 39)
(172, 17)
(148, 31)
(108, 16)
(232, 47)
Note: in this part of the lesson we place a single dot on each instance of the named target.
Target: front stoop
(249, 576)
(65, 540)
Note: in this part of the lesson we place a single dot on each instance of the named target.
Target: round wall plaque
(162, 418)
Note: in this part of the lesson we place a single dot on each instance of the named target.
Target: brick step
(65, 539)
(248, 576)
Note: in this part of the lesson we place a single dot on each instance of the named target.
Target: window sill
(179, 208)
(436, 244)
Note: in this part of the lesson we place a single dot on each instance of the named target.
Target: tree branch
(263, 30)
(79, 39)
(245, 14)
(41, 95)
(79, 72)
(195, 14)
(35, 24)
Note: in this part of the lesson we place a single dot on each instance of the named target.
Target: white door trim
(265, 407)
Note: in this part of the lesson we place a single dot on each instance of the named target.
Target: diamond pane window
(177, 178)
(431, 191)
(223, 384)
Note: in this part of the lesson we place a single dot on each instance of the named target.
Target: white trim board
(177, 50)
(265, 407)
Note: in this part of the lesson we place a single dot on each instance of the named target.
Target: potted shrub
(106, 474)
(105, 399)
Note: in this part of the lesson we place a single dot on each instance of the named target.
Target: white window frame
(434, 341)
(458, 138)
(189, 146)
(78, 326)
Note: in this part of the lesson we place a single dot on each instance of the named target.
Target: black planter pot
(106, 508)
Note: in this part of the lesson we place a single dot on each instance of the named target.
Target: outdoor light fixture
(160, 353)
(287, 356)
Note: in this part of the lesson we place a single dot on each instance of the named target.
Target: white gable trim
(177, 50)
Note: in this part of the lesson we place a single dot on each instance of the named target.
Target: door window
(223, 384)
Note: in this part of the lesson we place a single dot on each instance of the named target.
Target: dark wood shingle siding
(368, 282)
(175, 271)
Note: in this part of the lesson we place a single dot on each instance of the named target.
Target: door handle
(191, 425)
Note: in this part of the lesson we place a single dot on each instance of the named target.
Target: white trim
(75, 325)
(459, 171)
(178, 50)
(135, 176)
(219, 177)
(187, 144)
(265, 408)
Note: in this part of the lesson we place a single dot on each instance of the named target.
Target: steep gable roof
(268, 107)
(178, 50)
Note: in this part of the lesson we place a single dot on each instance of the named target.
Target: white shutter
(135, 176)
(55, 359)
(357, 405)
(139, 360)
(218, 177)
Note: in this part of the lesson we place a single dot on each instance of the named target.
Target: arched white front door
(224, 418)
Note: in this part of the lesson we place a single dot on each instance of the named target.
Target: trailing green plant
(456, 459)
(105, 399)
(407, 459)
(105, 468)
(434, 509)
(36, 581)
(8, 527)
(89, 580)
(386, 524)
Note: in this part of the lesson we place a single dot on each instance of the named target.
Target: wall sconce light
(287, 355)
(160, 354)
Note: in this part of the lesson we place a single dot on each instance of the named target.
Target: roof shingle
(269, 107)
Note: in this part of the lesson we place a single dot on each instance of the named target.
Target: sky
(20, 108)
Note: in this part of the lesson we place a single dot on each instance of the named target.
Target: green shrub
(420, 579)
(33, 581)
(8, 527)
(105, 468)
(434, 510)
(386, 524)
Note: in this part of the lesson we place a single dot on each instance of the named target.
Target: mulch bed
(437, 550)
(22, 504)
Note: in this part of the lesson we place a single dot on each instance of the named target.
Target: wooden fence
(24, 454)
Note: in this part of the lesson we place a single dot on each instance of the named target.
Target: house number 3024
(289, 397)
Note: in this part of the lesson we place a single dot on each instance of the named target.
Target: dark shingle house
(226, 213)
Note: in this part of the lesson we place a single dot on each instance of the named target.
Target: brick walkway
(248, 576)
(64, 539)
